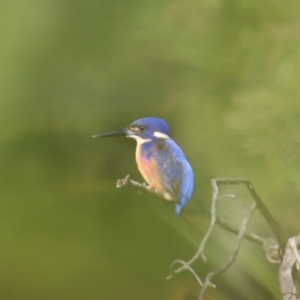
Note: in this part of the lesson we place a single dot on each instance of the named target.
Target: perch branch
(127, 180)
(250, 236)
(271, 247)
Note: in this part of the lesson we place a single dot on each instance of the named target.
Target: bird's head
(142, 130)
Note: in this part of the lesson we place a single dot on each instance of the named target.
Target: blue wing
(176, 174)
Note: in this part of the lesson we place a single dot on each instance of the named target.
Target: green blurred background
(225, 76)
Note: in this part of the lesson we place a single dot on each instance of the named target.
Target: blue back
(176, 174)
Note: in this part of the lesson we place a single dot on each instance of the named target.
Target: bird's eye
(137, 128)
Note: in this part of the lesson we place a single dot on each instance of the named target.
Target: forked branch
(273, 248)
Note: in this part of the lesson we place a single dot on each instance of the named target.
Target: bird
(161, 162)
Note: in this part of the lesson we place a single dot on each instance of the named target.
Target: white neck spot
(161, 135)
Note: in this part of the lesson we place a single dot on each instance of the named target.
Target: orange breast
(149, 169)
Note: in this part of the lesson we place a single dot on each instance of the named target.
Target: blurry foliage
(224, 74)
(268, 124)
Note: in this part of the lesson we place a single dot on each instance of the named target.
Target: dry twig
(289, 259)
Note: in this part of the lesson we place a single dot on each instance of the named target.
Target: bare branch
(249, 236)
(232, 257)
(207, 235)
(260, 206)
(291, 259)
(271, 248)
(127, 180)
(186, 267)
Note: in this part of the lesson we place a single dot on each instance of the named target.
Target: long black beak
(121, 132)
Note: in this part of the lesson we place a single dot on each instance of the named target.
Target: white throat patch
(138, 139)
(161, 135)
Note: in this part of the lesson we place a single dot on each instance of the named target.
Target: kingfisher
(160, 160)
